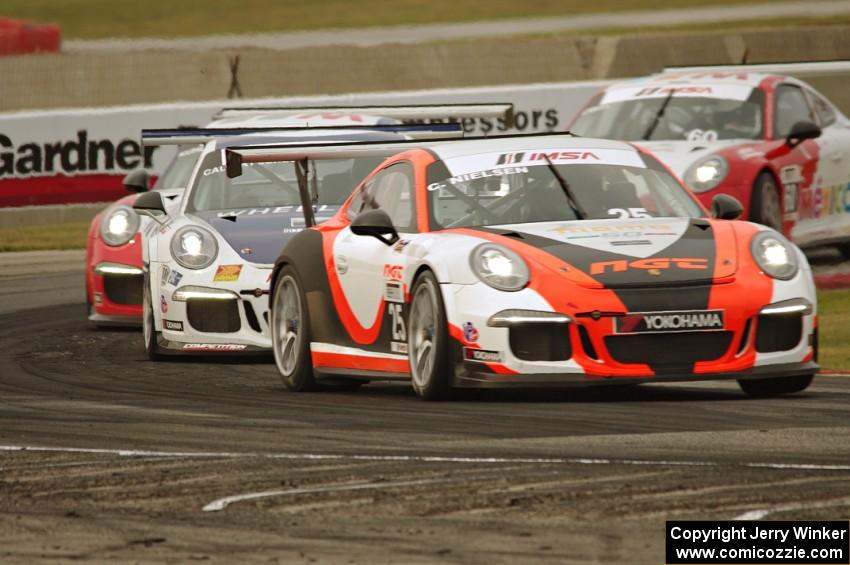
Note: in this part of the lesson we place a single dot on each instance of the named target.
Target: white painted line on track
(222, 503)
(765, 512)
(426, 458)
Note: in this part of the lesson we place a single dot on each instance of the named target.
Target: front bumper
(474, 377)
(753, 343)
(195, 314)
(115, 281)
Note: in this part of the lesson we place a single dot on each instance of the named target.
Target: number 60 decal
(623, 213)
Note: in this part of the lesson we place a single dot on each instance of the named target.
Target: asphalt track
(127, 460)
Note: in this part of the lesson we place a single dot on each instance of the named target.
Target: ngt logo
(622, 265)
(509, 158)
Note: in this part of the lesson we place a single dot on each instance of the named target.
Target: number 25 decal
(623, 213)
(399, 333)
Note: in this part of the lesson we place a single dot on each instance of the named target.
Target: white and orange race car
(771, 141)
(534, 261)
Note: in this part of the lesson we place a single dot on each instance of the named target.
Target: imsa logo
(660, 322)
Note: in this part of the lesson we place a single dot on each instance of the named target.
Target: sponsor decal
(622, 265)
(396, 312)
(246, 251)
(393, 272)
(174, 325)
(163, 303)
(525, 157)
(660, 322)
(174, 278)
(394, 292)
(675, 90)
(481, 355)
(398, 347)
(98, 298)
(274, 210)
(400, 245)
(470, 332)
(532, 119)
(163, 273)
(70, 157)
(342, 265)
(227, 273)
(214, 347)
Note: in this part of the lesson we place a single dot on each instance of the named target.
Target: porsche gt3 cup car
(114, 246)
(535, 261)
(771, 141)
(209, 263)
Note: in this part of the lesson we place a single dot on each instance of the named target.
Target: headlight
(499, 267)
(118, 225)
(707, 174)
(775, 255)
(194, 247)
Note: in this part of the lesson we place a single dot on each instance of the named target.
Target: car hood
(258, 234)
(634, 253)
(680, 155)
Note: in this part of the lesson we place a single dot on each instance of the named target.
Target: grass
(46, 237)
(92, 19)
(834, 329)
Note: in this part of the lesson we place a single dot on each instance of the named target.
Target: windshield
(264, 185)
(179, 171)
(522, 187)
(633, 116)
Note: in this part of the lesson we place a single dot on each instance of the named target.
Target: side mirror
(137, 181)
(725, 207)
(802, 131)
(150, 204)
(376, 223)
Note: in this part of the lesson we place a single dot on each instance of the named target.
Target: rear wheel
(428, 340)
(290, 333)
(152, 348)
(765, 205)
(760, 388)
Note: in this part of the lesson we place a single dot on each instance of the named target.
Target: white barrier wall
(81, 155)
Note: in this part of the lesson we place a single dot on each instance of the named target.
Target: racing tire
(290, 324)
(428, 340)
(763, 388)
(765, 204)
(152, 347)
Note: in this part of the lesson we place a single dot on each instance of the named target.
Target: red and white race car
(533, 261)
(771, 141)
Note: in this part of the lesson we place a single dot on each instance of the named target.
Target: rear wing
(301, 154)
(406, 113)
(793, 69)
(192, 136)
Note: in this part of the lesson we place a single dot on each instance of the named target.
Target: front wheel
(762, 388)
(290, 333)
(428, 340)
(765, 205)
(152, 348)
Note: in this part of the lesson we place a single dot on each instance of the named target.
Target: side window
(791, 107)
(824, 109)
(392, 190)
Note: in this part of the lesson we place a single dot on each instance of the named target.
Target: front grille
(778, 332)
(124, 289)
(669, 349)
(214, 316)
(541, 342)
